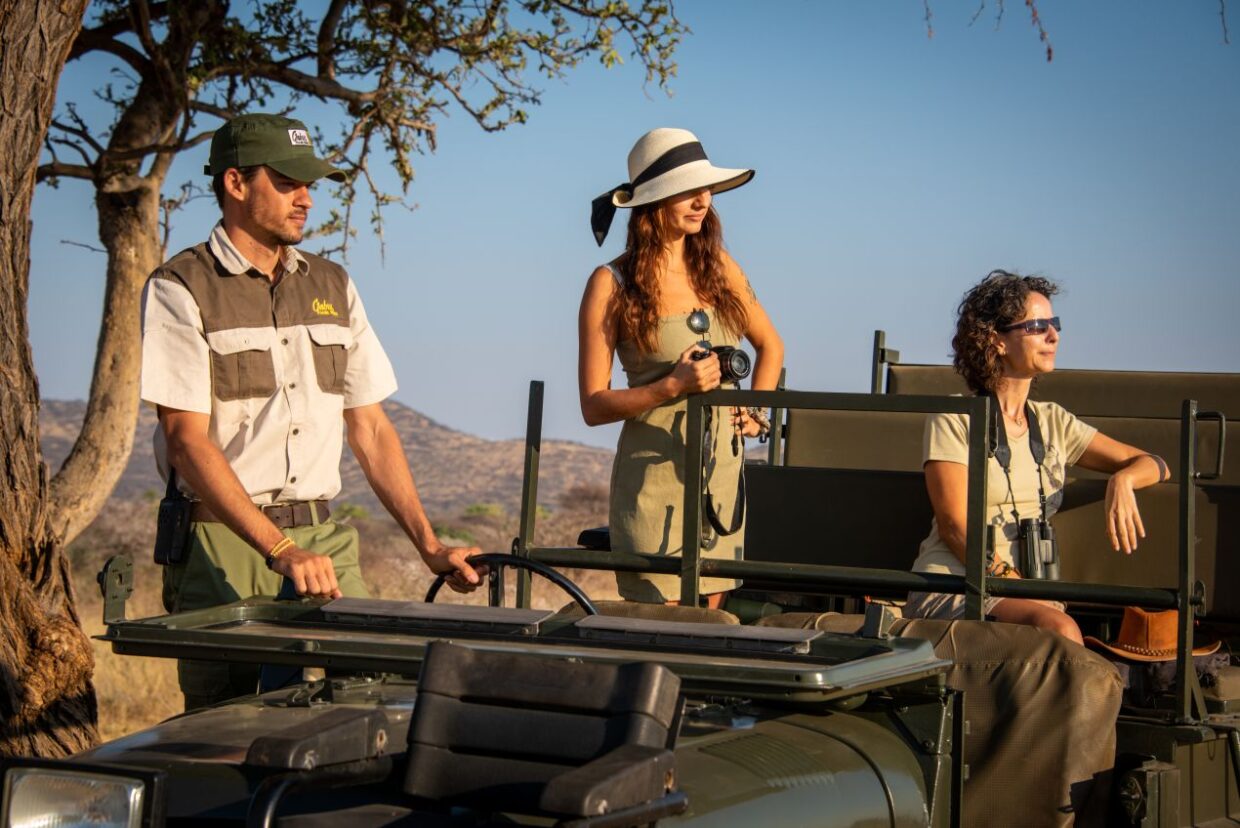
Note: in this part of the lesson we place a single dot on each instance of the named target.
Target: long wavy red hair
(642, 264)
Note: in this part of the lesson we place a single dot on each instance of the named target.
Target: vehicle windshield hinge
(116, 585)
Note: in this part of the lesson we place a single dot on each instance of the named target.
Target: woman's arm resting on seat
(1130, 469)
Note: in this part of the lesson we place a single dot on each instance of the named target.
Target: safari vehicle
(614, 714)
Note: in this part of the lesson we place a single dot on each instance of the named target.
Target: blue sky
(894, 171)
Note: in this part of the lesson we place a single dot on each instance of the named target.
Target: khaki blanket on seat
(654, 612)
(1041, 713)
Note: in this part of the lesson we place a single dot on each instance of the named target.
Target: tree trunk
(47, 704)
(127, 202)
(128, 223)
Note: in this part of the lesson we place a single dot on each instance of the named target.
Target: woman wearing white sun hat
(638, 307)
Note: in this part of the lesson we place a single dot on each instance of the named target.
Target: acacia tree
(47, 705)
(392, 66)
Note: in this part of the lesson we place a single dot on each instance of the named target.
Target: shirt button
(283, 341)
(292, 385)
(292, 480)
(296, 431)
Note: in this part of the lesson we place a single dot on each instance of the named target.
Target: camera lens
(738, 365)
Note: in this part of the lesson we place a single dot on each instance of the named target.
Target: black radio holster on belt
(172, 525)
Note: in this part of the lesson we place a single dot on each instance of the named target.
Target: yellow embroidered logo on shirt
(324, 308)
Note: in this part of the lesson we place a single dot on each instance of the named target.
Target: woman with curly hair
(1006, 336)
(674, 272)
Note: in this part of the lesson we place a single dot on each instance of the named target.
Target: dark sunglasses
(1034, 326)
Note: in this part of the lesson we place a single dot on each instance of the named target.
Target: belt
(283, 515)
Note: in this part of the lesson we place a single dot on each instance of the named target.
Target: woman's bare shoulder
(602, 288)
(606, 277)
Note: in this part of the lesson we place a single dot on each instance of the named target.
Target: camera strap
(708, 500)
(1002, 452)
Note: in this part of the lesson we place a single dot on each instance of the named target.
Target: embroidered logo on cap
(324, 308)
(299, 137)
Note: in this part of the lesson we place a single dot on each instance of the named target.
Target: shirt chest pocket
(331, 344)
(241, 365)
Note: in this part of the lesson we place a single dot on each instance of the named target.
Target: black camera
(734, 364)
(1039, 551)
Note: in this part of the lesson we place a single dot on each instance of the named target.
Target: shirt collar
(230, 257)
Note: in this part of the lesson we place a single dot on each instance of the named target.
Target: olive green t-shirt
(947, 438)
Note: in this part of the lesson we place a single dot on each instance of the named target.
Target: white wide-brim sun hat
(663, 163)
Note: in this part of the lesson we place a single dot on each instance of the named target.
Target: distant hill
(453, 470)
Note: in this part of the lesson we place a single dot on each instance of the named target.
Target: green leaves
(392, 67)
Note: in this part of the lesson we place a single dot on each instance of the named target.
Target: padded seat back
(1086, 554)
(1094, 393)
(499, 730)
(838, 517)
(851, 494)
(872, 440)
(892, 441)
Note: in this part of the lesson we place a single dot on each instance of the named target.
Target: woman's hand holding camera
(694, 376)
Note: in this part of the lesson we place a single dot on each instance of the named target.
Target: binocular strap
(1002, 452)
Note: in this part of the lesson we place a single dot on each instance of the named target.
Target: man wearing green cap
(253, 354)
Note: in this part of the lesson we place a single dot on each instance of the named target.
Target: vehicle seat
(541, 735)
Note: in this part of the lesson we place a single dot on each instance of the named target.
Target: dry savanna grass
(136, 692)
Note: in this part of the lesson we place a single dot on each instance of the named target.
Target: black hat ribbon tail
(603, 210)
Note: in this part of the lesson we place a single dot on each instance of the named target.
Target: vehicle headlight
(63, 798)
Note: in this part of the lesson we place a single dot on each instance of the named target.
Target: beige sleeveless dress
(647, 478)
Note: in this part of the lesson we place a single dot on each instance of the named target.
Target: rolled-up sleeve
(369, 377)
(176, 362)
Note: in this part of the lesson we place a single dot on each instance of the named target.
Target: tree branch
(1036, 20)
(92, 40)
(89, 247)
(327, 39)
(76, 147)
(321, 88)
(140, 13)
(211, 109)
(79, 131)
(59, 169)
(119, 25)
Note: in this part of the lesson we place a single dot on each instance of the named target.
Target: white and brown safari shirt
(274, 366)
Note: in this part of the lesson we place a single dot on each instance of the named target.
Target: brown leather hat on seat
(1148, 636)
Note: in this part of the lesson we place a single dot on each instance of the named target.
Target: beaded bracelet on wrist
(758, 415)
(276, 551)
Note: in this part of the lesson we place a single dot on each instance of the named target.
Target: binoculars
(1039, 551)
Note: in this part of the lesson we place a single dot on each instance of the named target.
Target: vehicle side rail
(856, 579)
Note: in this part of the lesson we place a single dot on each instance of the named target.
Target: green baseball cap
(271, 140)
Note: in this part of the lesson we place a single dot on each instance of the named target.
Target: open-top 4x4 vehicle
(823, 709)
